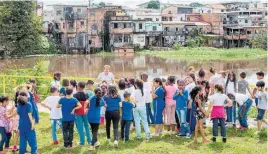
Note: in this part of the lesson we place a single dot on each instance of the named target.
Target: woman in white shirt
(140, 111)
(230, 90)
(106, 75)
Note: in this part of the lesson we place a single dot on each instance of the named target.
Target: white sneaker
(92, 148)
(97, 144)
(116, 143)
(108, 140)
(155, 135)
(188, 135)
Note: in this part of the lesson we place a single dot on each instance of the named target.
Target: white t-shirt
(102, 112)
(262, 100)
(241, 98)
(217, 79)
(55, 83)
(218, 99)
(230, 88)
(52, 102)
(147, 88)
(109, 77)
(121, 93)
(137, 96)
(189, 88)
(130, 89)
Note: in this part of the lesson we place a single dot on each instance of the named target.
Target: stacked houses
(81, 27)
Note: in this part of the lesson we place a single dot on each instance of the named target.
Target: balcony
(122, 30)
(174, 33)
(235, 37)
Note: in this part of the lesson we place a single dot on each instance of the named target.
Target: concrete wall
(149, 26)
(139, 39)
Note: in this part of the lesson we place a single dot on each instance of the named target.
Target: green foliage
(195, 38)
(21, 29)
(153, 5)
(177, 46)
(102, 4)
(209, 53)
(196, 4)
(37, 70)
(259, 41)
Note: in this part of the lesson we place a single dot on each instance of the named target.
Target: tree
(102, 4)
(20, 28)
(153, 5)
(196, 4)
(259, 41)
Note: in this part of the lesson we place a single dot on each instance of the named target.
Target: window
(177, 29)
(170, 18)
(115, 25)
(59, 26)
(169, 12)
(181, 19)
(125, 25)
(94, 27)
(166, 28)
(246, 21)
(157, 19)
(79, 10)
(154, 28)
(222, 10)
(188, 18)
(140, 25)
(58, 12)
(125, 39)
(71, 25)
(209, 11)
(248, 32)
(63, 25)
(92, 14)
(82, 23)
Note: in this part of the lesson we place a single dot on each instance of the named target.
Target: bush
(177, 46)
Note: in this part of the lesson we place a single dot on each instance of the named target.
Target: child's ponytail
(98, 95)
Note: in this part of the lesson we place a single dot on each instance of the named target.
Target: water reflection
(130, 65)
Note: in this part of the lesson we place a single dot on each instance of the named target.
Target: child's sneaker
(214, 139)
(116, 143)
(97, 144)
(55, 143)
(91, 148)
(224, 139)
(108, 140)
(15, 148)
(155, 134)
(188, 135)
(148, 137)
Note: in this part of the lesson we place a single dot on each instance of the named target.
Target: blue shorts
(261, 114)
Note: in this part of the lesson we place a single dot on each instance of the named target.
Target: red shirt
(81, 111)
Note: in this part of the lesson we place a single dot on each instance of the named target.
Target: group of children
(181, 108)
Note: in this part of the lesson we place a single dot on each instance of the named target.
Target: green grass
(237, 142)
(207, 53)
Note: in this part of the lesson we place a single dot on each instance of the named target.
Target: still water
(132, 65)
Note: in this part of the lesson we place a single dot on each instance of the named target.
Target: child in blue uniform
(26, 124)
(68, 106)
(65, 85)
(95, 104)
(181, 97)
(127, 117)
(159, 105)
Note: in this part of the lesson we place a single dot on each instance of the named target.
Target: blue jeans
(140, 115)
(149, 113)
(125, 127)
(231, 113)
(243, 111)
(29, 137)
(182, 113)
(54, 123)
(3, 137)
(81, 123)
(216, 121)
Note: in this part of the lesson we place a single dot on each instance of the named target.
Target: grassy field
(206, 53)
(238, 142)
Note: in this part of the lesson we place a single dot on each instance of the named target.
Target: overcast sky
(131, 3)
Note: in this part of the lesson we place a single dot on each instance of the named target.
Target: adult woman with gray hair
(106, 75)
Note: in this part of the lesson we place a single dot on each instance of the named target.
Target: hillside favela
(133, 76)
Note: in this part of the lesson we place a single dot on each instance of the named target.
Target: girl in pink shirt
(4, 122)
(170, 104)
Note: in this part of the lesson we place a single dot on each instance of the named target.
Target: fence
(9, 82)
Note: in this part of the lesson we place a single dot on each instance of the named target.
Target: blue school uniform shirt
(67, 105)
(24, 120)
(94, 111)
(181, 100)
(34, 108)
(62, 91)
(127, 108)
(160, 95)
(112, 103)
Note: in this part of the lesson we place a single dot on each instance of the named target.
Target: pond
(131, 65)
